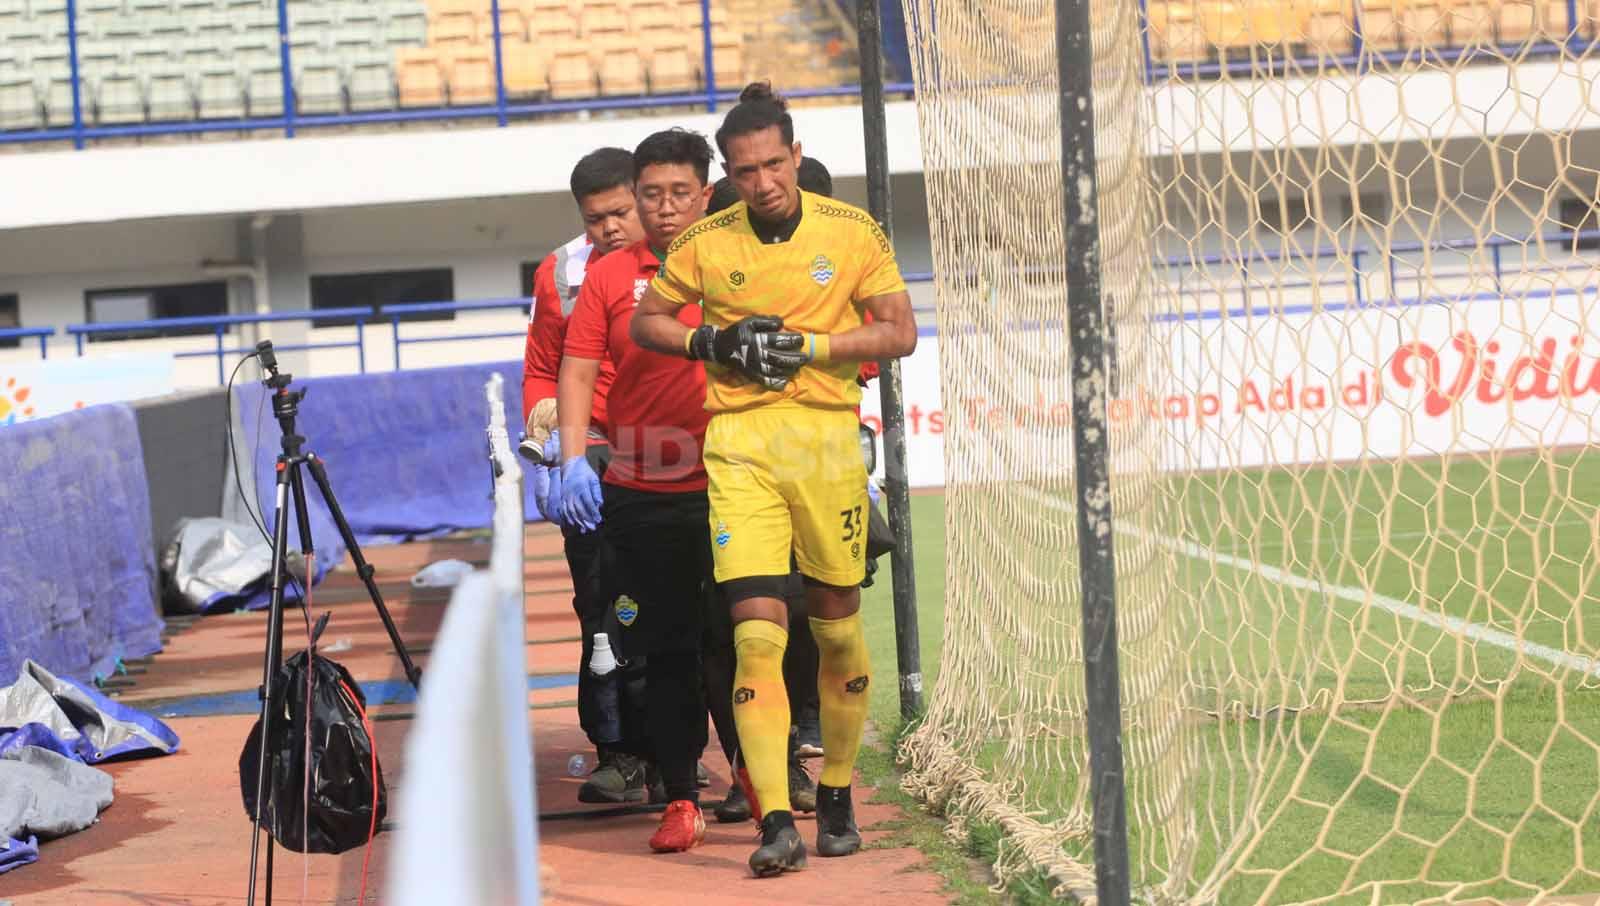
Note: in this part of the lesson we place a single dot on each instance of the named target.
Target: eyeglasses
(653, 200)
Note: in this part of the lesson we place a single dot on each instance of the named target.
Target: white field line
(1447, 624)
(1501, 528)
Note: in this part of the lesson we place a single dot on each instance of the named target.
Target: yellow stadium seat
(453, 28)
(418, 78)
(471, 76)
(1224, 26)
(1328, 30)
(728, 59)
(553, 26)
(603, 20)
(1516, 21)
(513, 27)
(571, 74)
(1556, 24)
(621, 71)
(649, 15)
(525, 70)
(1470, 22)
(1423, 24)
(1175, 36)
(1380, 25)
(673, 66)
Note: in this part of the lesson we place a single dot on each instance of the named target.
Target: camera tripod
(286, 408)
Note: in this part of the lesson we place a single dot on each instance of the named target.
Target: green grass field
(1447, 767)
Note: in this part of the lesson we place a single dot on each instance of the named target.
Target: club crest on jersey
(723, 537)
(640, 284)
(736, 278)
(821, 270)
(627, 610)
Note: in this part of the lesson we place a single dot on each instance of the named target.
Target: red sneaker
(682, 828)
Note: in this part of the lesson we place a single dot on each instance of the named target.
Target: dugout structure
(1349, 367)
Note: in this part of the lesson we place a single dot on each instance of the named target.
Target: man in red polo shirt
(602, 186)
(654, 511)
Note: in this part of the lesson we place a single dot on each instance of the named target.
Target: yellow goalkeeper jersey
(814, 274)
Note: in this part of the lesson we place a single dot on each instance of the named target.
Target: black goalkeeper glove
(754, 347)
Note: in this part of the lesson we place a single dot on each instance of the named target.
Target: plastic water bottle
(577, 765)
(603, 667)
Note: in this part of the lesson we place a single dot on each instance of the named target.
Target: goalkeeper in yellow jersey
(784, 278)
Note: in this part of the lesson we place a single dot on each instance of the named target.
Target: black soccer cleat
(836, 822)
(781, 847)
(734, 807)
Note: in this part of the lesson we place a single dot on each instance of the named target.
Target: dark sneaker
(655, 787)
(734, 808)
(702, 777)
(836, 822)
(802, 789)
(781, 847)
(807, 742)
(617, 778)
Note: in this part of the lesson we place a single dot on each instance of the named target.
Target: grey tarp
(44, 793)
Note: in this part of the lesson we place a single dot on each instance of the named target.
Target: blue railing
(219, 325)
(43, 334)
(89, 118)
(397, 311)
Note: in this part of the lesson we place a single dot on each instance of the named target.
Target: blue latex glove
(547, 484)
(580, 494)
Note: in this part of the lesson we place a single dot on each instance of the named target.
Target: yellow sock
(843, 673)
(761, 711)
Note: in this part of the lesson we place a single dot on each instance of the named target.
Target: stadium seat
(512, 26)
(1183, 41)
(119, 98)
(603, 20)
(571, 74)
(1380, 26)
(672, 66)
(405, 28)
(621, 70)
(139, 9)
(248, 51)
(1557, 24)
(1469, 22)
(372, 83)
(418, 78)
(728, 58)
(553, 26)
(169, 94)
(1327, 29)
(264, 91)
(100, 7)
(19, 102)
(525, 70)
(1224, 26)
(219, 91)
(318, 87)
(470, 76)
(453, 28)
(647, 16)
(1423, 24)
(149, 52)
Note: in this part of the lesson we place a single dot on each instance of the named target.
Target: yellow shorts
(787, 478)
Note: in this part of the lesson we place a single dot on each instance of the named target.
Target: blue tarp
(77, 572)
(405, 451)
